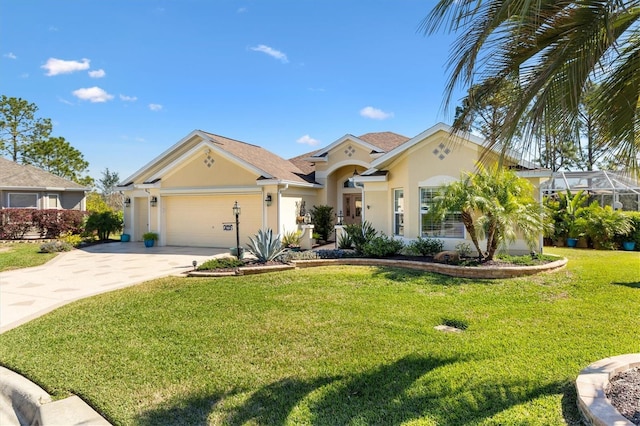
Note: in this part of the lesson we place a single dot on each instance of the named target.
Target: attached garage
(208, 220)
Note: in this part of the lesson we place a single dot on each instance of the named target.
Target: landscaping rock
(447, 256)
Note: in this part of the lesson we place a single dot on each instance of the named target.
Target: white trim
(347, 137)
(38, 197)
(376, 178)
(324, 174)
(42, 188)
(57, 196)
(206, 144)
(264, 182)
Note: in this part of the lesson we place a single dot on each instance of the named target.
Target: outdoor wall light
(127, 202)
(268, 200)
(153, 201)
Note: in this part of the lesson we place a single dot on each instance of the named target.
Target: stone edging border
(440, 268)
(593, 404)
(32, 405)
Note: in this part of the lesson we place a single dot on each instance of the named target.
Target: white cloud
(308, 140)
(271, 52)
(97, 73)
(10, 55)
(92, 94)
(155, 107)
(128, 98)
(375, 113)
(59, 66)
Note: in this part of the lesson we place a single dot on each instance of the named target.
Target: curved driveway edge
(28, 293)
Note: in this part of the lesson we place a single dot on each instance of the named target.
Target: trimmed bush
(55, 247)
(104, 223)
(220, 263)
(425, 246)
(382, 246)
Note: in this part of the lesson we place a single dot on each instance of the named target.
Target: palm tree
(556, 48)
(494, 204)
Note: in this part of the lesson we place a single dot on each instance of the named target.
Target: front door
(352, 204)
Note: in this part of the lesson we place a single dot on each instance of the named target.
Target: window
(23, 201)
(450, 227)
(398, 212)
(54, 201)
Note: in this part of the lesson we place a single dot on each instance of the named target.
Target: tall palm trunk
(467, 220)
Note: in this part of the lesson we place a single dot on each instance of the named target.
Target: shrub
(425, 246)
(382, 246)
(51, 223)
(322, 218)
(360, 234)
(15, 223)
(72, 239)
(602, 224)
(463, 249)
(291, 239)
(265, 247)
(335, 254)
(55, 247)
(104, 223)
(153, 236)
(220, 263)
(634, 233)
(345, 242)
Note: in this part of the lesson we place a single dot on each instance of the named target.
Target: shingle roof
(262, 159)
(14, 175)
(386, 141)
(303, 164)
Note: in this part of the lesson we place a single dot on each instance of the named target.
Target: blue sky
(124, 80)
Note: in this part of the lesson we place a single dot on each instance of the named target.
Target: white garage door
(200, 220)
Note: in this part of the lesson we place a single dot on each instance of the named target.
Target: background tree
(19, 126)
(107, 187)
(555, 48)
(57, 156)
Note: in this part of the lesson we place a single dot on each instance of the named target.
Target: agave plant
(265, 246)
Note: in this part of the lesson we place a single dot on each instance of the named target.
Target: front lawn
(338, 345)
(22, 255)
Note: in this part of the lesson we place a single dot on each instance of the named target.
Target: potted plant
(149, 238)
(631, 240)
(125, 238)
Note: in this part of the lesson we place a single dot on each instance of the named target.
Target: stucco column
(306, 239)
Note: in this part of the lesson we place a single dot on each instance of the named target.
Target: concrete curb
(24, 402)
(595, 407)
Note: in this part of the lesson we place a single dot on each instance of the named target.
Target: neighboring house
(24, 186)
(187, 193)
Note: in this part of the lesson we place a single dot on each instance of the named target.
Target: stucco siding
(203, 170)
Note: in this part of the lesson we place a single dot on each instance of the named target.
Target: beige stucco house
(187, 193)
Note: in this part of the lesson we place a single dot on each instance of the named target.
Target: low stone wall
(595, 407)
(450, 270)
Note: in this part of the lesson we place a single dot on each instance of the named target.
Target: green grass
(338, 345)
(22, 255)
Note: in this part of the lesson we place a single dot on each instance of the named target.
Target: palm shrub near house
(265, 246)
(494, 204)
(322, 219)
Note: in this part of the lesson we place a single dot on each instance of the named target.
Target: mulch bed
(624, 393)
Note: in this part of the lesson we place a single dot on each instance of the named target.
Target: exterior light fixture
(236, 212)
(340, 218)
(153, 201)
(268, 200)
(127, 201)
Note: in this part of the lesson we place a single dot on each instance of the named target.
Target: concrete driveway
(29, 293)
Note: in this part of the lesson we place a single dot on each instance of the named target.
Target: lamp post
(236, 212)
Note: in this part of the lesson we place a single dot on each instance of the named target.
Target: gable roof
(275, 166)
(386, 141)
(388, 157)
(253, 157)
(23, 176)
